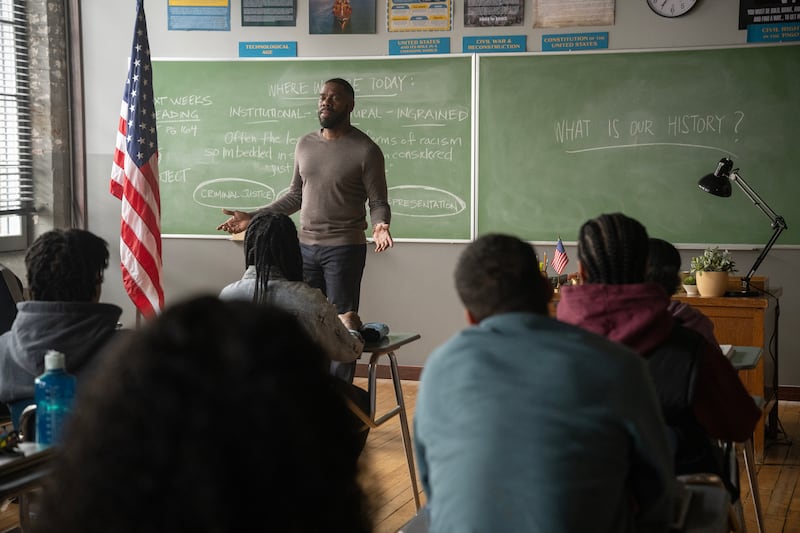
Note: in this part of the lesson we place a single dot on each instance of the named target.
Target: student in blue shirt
(524, 423)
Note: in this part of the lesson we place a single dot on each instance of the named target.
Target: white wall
(410, 287)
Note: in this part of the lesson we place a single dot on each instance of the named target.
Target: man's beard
(332, 120)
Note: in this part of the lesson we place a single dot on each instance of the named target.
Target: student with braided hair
(274, 274)
(701, 396)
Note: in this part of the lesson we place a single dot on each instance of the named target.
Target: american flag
(560, 258)
(134, 179)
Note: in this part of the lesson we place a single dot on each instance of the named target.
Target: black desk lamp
(719, 184)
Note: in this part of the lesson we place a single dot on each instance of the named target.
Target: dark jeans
(336, 271)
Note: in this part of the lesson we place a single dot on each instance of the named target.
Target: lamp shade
(718, 183)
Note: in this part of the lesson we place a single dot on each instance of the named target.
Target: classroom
(410, 287)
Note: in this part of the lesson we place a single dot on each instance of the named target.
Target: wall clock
(671, 8)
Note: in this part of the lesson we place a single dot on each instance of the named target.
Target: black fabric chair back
(10, 294)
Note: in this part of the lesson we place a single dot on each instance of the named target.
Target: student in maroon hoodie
(701, 395)
(663, 267)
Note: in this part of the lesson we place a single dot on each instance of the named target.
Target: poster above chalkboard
(227, 132)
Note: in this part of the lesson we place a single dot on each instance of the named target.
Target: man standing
(336, 170)
(524, 423)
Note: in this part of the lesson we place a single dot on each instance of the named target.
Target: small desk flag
(134, 179)
(560, 258)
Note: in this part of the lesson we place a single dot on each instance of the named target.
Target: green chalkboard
(565, 137)
(227, 132)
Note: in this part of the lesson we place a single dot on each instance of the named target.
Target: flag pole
(135, 181)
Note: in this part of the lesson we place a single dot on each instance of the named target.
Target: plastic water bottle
(54, 392)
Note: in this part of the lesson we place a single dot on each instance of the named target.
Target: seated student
(524, 423)
(214, 416)
(700, 393)
(65, 275)
(663, 267)
(274, 274)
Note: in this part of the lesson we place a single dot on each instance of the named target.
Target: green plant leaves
(713, 260)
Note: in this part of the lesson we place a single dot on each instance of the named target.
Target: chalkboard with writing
(565, 137)
(227, 132)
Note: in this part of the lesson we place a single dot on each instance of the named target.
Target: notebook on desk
(727, 350)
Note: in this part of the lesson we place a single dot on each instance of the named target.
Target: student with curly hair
(214, 416)
(65, 270)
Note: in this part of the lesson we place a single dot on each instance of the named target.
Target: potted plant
(690, 285)
(711, 271)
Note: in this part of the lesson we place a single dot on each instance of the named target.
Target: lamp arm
(755, 198)
(779, 226)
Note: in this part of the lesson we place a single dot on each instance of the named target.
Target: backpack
(673, 366)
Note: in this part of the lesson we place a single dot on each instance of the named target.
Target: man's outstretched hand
(351, 320)
(382, 237)
(237, 222)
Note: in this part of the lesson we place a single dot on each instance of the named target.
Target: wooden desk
(386, 347)
(743, 322)
(18, 474)
(746, 358)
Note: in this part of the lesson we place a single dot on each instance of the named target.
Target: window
(16, 180)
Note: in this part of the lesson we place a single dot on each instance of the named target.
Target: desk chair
(387, 347)
(750, 467)
(27, 423)
(16, 408)
(710, 509)
(419, 523)
(27, 499)
(10, 295)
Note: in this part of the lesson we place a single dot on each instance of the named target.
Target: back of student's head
(613, 249)
(215, 416)
(663, 265)
(66, 265)
(500, 274)
(272, 246)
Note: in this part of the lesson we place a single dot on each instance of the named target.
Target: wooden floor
(385, 462)
(386, 471)
(779, 477)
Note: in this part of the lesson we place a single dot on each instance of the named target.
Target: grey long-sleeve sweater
(333, 179)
